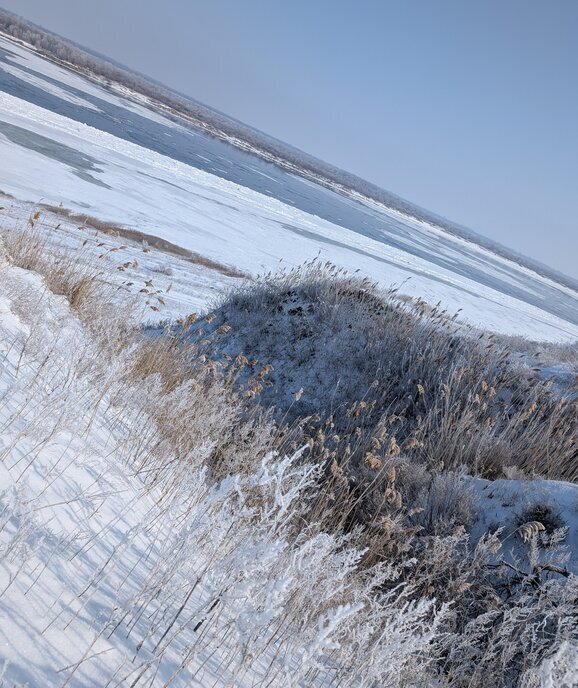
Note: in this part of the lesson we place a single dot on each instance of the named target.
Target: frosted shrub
(295, 604)
(560, 670)
(529, 641)
(382, 372)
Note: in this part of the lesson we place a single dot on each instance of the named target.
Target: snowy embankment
(110, 578)
(125, 561)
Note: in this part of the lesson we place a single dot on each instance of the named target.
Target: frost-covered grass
(130, 260)
(162, 524)
(378, 375)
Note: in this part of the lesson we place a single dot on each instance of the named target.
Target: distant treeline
(57, 48)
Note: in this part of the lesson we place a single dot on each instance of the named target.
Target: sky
(469, 109)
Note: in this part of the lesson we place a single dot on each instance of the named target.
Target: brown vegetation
(145, 239)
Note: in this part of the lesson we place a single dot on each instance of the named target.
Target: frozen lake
(65, 139)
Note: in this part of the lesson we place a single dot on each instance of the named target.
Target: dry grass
(381, 376)
(142, 238)
(543, 352)
(77, 280)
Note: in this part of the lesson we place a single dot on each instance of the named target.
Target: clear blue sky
(467, 108)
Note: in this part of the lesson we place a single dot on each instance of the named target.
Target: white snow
(507, 504)
(82, 542)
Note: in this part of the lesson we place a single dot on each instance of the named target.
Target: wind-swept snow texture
(66, 140)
